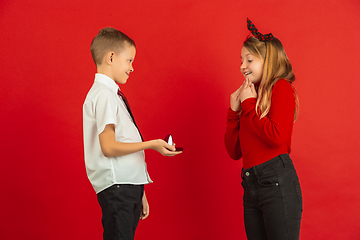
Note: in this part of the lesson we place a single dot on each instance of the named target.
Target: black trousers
(272, 200)
(121, 206)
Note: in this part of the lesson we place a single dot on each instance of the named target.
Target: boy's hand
(164, 148)
(145, 208)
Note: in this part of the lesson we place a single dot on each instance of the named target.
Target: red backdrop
(187, 65)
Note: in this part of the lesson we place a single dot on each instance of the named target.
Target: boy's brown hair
(108, 39)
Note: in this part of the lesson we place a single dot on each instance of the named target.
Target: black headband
(257, 34)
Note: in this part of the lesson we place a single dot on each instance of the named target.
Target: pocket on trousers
(269, 181)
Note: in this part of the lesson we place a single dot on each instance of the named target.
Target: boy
(114, 150)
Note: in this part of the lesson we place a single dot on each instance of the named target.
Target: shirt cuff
(232, 114)
(248, 105)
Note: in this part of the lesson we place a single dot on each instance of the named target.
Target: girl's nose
(242, 66)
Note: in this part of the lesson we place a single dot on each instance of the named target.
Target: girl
(259, 128)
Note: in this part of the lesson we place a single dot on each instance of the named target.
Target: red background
(187, 65)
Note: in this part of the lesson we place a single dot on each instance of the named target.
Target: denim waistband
(281, 161)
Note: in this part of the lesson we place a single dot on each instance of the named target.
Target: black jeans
(272, 200)
(121, 206)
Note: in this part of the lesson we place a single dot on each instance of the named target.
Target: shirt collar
(101, 78)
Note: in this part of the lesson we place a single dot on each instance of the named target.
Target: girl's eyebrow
(245, 55)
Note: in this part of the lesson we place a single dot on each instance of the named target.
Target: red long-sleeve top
(258, 140)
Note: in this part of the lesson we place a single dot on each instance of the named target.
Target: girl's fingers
(237, 92)
(245, 83)
(253, 88)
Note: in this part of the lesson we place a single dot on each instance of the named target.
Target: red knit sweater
(259, 140)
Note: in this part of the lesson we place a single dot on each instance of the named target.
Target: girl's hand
(247, 90)
(235, 100)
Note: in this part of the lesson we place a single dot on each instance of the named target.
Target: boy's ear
(109, 58)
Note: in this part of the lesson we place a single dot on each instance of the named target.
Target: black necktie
(129, 110)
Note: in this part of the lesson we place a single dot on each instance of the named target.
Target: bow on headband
(257, 34)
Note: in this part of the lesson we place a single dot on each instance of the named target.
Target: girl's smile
(251, 66)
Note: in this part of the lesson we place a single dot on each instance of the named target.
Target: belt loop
(283, 160)
(255, 172)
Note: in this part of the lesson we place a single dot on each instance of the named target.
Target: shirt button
(247, 174)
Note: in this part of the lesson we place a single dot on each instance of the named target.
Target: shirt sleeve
(276, 127)
(231, 139)
(105, 110)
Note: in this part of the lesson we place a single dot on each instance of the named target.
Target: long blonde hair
(276, 66)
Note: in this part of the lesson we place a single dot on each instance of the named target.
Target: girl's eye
(250, 61)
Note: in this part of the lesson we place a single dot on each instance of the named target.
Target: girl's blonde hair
(276, 66)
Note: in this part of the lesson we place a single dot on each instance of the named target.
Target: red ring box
(169, 140)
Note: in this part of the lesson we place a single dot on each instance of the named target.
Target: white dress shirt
(103, 106)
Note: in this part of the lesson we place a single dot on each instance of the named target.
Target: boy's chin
(123, 81)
